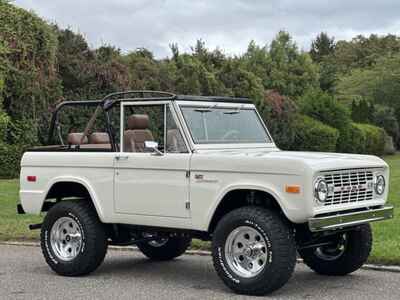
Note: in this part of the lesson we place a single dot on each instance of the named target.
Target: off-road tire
(174, 247)
(356, 253)
(280, 243)
(94, 238)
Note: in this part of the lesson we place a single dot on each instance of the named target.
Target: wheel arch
(69, 186)
(243, 195)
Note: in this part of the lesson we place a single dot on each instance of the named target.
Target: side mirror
(151, 145)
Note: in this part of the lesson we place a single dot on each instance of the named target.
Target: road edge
(374, 267)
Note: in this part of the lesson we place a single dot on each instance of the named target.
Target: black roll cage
(113, 99)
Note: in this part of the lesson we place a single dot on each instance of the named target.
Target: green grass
(386, 234)
(13, 226)
(386, 248)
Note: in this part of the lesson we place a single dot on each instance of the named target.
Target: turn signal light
(31, 178)
(292, 189)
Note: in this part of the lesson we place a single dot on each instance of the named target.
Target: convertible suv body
(155, 169)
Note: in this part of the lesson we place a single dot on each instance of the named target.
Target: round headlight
(380, 185)
(321, 190)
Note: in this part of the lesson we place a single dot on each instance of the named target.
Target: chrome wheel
(66, 238)
(332, 252)
(246, 251)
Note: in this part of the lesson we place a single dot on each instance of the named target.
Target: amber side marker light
(31, 178)
(292, 189)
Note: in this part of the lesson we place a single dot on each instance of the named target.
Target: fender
(81, 181)
(268, 189)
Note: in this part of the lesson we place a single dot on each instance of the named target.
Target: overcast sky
(227, 24)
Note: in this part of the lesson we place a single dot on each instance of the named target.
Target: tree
(321, 47)
(289, 71)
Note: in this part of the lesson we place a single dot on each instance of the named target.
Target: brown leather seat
(138, 132)
(74, 138)
(100, 140)
(175, 143)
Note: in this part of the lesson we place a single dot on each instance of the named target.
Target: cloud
(227, 24)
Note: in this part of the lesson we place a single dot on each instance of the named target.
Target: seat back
(175, 143)
(137, 133)
(74, 138)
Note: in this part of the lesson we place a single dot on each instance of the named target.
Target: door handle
(121, 157)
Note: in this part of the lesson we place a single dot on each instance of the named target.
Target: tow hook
(35, 226)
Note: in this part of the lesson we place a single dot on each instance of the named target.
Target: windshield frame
(227, 105)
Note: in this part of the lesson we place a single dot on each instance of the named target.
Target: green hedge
(374, 139)
(312, 135)
(352, 139)
(10, 157)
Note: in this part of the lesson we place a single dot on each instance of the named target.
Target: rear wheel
(253, 251)
(347, 253)
(165, 248)
(73, 239)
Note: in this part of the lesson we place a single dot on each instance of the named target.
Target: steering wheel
(231, 134)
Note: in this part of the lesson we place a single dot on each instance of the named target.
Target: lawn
(386, 234)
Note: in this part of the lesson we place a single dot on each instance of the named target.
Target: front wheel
(347, 253)
(253, 250)
(73, 239)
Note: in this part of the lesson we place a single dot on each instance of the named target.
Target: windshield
(224, 125)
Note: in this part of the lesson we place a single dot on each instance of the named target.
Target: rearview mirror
(151, 145)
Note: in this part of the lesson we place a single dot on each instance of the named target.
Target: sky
(227, 24)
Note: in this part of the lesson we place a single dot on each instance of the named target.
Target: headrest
(99, 138)
(138, 122)
(74, 138)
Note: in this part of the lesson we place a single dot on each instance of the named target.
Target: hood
(294, 162)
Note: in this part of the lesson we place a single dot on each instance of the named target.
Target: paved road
(128, 275)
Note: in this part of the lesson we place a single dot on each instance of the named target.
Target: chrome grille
(348, 186)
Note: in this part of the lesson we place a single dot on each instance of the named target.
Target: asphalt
(128, 275)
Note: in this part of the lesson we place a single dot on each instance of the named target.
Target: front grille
(347, 186)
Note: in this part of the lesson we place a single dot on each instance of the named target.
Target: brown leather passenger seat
(175, 143)
(137, 133)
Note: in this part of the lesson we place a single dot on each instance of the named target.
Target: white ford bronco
(155, 170)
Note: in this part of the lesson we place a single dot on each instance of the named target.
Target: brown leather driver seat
(137, 133)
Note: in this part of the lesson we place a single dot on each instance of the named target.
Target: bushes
(325, 108)
(10, 156)
(374, 139)
(352, 139)
(312, 135)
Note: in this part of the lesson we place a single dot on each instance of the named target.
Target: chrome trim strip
(350, 219)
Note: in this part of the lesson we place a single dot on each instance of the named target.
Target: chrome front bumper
(350, 219)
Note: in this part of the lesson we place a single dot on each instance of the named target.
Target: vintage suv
(154, 169)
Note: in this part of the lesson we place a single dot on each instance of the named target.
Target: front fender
(263, 188)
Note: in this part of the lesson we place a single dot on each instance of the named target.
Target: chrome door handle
(122, 157)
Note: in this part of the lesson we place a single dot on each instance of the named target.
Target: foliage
(41, 65)
(325, 108)
(374, 139)
(290, 72)
(278, 111)
(28, 62)
(322, 46)
(313, 135)
(352, 139)
(384, 117)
